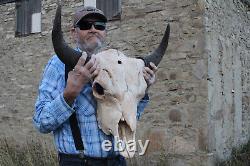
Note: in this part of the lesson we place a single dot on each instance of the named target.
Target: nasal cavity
(98, 89)
(119, 62)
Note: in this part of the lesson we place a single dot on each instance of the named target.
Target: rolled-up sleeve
(51, 110)
(141, 106)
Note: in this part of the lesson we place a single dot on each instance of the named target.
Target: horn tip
(168, 27)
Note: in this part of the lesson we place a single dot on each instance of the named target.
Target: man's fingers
(146, 75)
(95, 73)
(70, 74)
(82, 68)
(149, 74)
(90, 63)
(147, 78)
(74, 74)
(93, 68)
(76, 68)
(149, 71)
(81, 61)
(79, 65)
(153, 67)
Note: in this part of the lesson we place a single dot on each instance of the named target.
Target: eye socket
(98, 89)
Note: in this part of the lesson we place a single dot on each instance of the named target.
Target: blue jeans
(75, 160)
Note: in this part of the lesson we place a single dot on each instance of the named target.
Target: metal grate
(23, 19)
(28, 15)
(111, 8)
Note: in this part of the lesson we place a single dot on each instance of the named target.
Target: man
(58, 100)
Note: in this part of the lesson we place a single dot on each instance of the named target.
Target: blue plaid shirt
(52, 113)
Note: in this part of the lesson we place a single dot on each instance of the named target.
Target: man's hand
(81, 75)
(149, 74)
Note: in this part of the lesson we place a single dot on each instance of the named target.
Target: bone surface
(118, 88)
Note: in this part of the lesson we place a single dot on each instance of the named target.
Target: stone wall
(23, 60)
(227, 46)
(188, 121)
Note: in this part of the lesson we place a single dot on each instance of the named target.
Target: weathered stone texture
(227, 32)
(23, 59)
(199, 105)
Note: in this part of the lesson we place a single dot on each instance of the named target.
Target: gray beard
(92, 48)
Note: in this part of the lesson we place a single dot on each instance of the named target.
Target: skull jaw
(124, 137)
(126, 144)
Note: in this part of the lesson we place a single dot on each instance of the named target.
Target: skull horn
(66, 54)
(157, 55)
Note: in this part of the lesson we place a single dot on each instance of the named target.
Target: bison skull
(118, 88)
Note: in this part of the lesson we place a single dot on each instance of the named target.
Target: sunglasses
(86, 25)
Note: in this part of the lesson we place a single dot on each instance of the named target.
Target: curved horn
(66, 54)
(157, 55)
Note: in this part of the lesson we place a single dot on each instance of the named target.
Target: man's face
(92, 39)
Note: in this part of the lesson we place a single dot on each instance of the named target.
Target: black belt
(91, 160)
(63, 155)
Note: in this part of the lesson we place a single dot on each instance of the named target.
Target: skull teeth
(122, 118)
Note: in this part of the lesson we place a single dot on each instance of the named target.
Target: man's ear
(73, 34)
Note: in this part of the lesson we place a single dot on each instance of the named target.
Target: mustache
(91, 34)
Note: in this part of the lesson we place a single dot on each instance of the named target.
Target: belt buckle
(81, 154)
